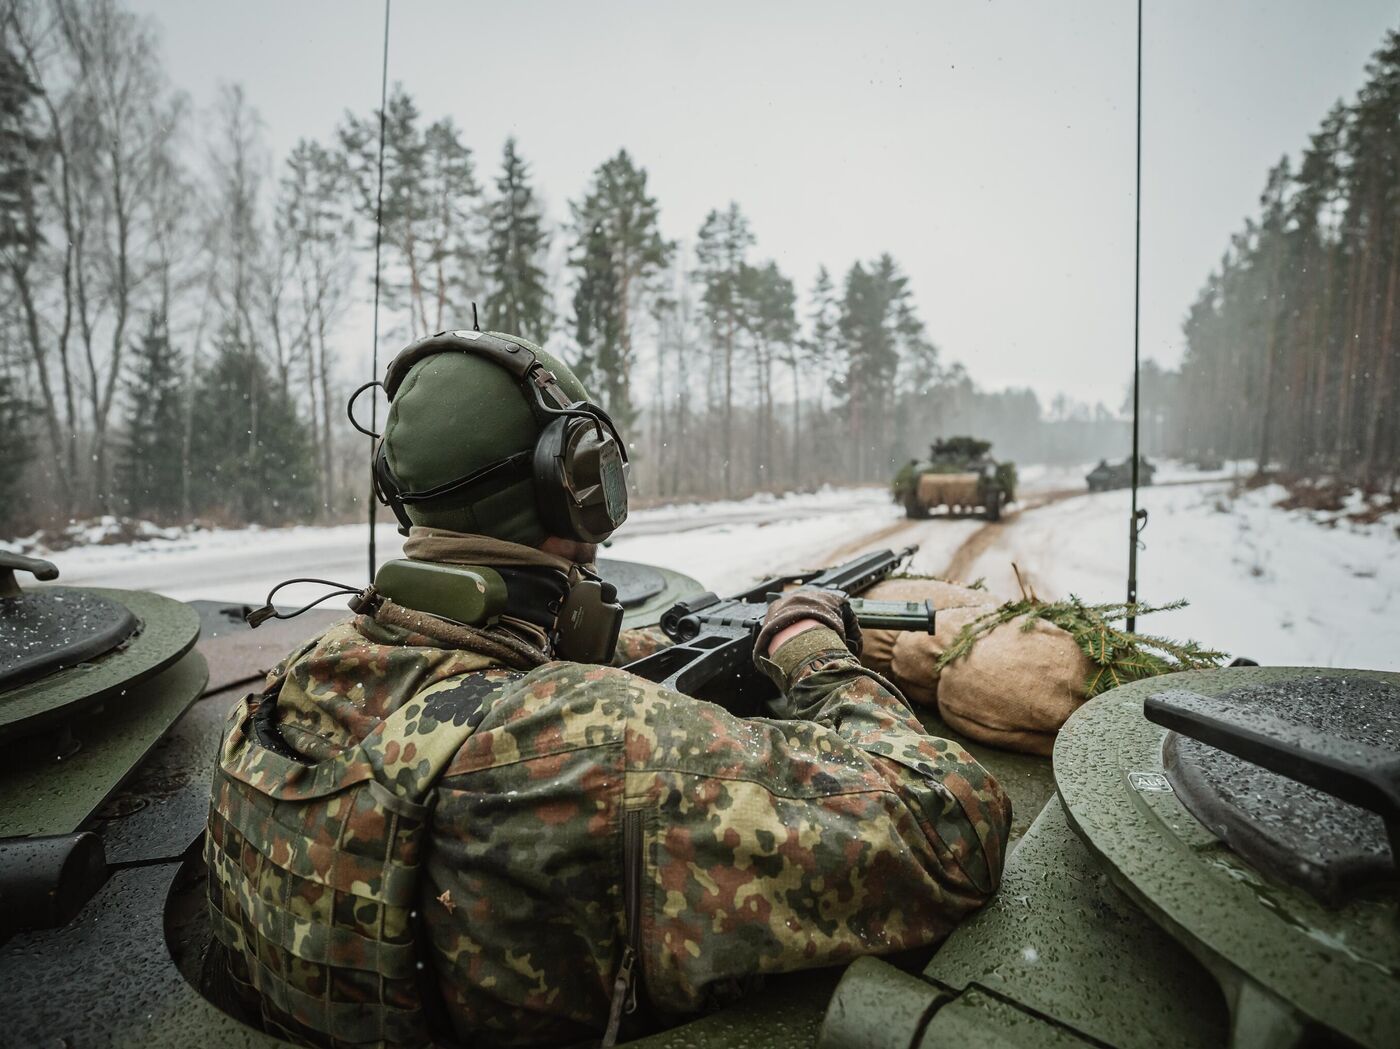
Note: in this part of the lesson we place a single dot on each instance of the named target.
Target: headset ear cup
(580, 479)
(551, 484)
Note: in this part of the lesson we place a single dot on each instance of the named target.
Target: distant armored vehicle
(959, 474)
(1104, 477)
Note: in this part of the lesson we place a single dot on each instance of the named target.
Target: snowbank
(725, 545)
(727, 555)
(1280, 587)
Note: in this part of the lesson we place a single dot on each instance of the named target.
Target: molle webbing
(314, 870)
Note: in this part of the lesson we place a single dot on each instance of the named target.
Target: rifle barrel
(855, 575)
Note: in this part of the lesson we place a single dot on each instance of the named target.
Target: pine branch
(1118, 656)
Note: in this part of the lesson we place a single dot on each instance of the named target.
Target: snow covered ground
(1275, 585)
(723, 544)
(1271, 584)
(726, 549)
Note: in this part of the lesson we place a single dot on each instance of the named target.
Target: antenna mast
(1134, 522)
(378, 239)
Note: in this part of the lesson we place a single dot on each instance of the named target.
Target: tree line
(177, 307)
(1293, 344)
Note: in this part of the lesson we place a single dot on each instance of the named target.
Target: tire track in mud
(917, 528)
(977, 544)
(850, 549)
(971, 549)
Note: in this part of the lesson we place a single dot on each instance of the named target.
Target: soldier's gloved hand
(828, 608)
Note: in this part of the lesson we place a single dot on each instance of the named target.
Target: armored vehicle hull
(1137, 908)
(1107, 476)
(958, 478)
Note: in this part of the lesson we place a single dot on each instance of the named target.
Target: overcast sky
(987, 146)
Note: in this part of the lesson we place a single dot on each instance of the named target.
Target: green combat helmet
(455, 415)
(488, 435)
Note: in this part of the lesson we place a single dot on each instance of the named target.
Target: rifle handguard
(893, 615)
(715, 638)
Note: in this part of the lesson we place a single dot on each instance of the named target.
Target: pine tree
(267, 478)
(22, 152)
(149, 469)
(770, 319)
(1375, 173)
(616, 219)
(596, 322)
(452, 234)
(1302, 316)
(720, 251)
(1274, 256)
(823, 317)
(315, 220)
(820, 350)
(517, 299)
(877, 322)
(430, 210)
(14, 439)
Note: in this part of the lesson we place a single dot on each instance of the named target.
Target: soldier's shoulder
(339, 637)
(592, 675)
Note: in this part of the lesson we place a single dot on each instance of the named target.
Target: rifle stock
(712, 657)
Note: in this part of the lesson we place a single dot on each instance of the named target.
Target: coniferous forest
(1293, 344)
(183, 314)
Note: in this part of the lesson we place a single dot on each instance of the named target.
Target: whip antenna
(1135, 521)
(378, 240)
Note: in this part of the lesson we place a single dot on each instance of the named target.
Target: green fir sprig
(1118, 656)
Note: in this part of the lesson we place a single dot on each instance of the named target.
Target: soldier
(424, 830)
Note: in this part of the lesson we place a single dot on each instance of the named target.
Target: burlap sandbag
(914, 659)
(879, 644)
(1014, 689)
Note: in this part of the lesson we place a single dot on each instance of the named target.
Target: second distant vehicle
(1107, 476)
(959, 475)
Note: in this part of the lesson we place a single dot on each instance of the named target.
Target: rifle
(712, 657)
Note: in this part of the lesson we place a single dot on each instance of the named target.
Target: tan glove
(828, 607)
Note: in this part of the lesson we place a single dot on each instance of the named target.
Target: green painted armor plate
(1292, 968)
(168, 629)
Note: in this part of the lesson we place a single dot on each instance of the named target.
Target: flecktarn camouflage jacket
(538, 835)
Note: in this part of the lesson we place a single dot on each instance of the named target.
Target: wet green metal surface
(1061, 941)
(1281, 956)
(978, 1019)
(43, 794)
(1064, 956)
(877, 1006)
(648, 613)
(168, 630)
(127, 994)
(785, 1014)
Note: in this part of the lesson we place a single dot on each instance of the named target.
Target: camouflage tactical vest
(314, 868)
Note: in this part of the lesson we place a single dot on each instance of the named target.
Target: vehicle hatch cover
(1259, 813)
(1289, 963)
(46, 630)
